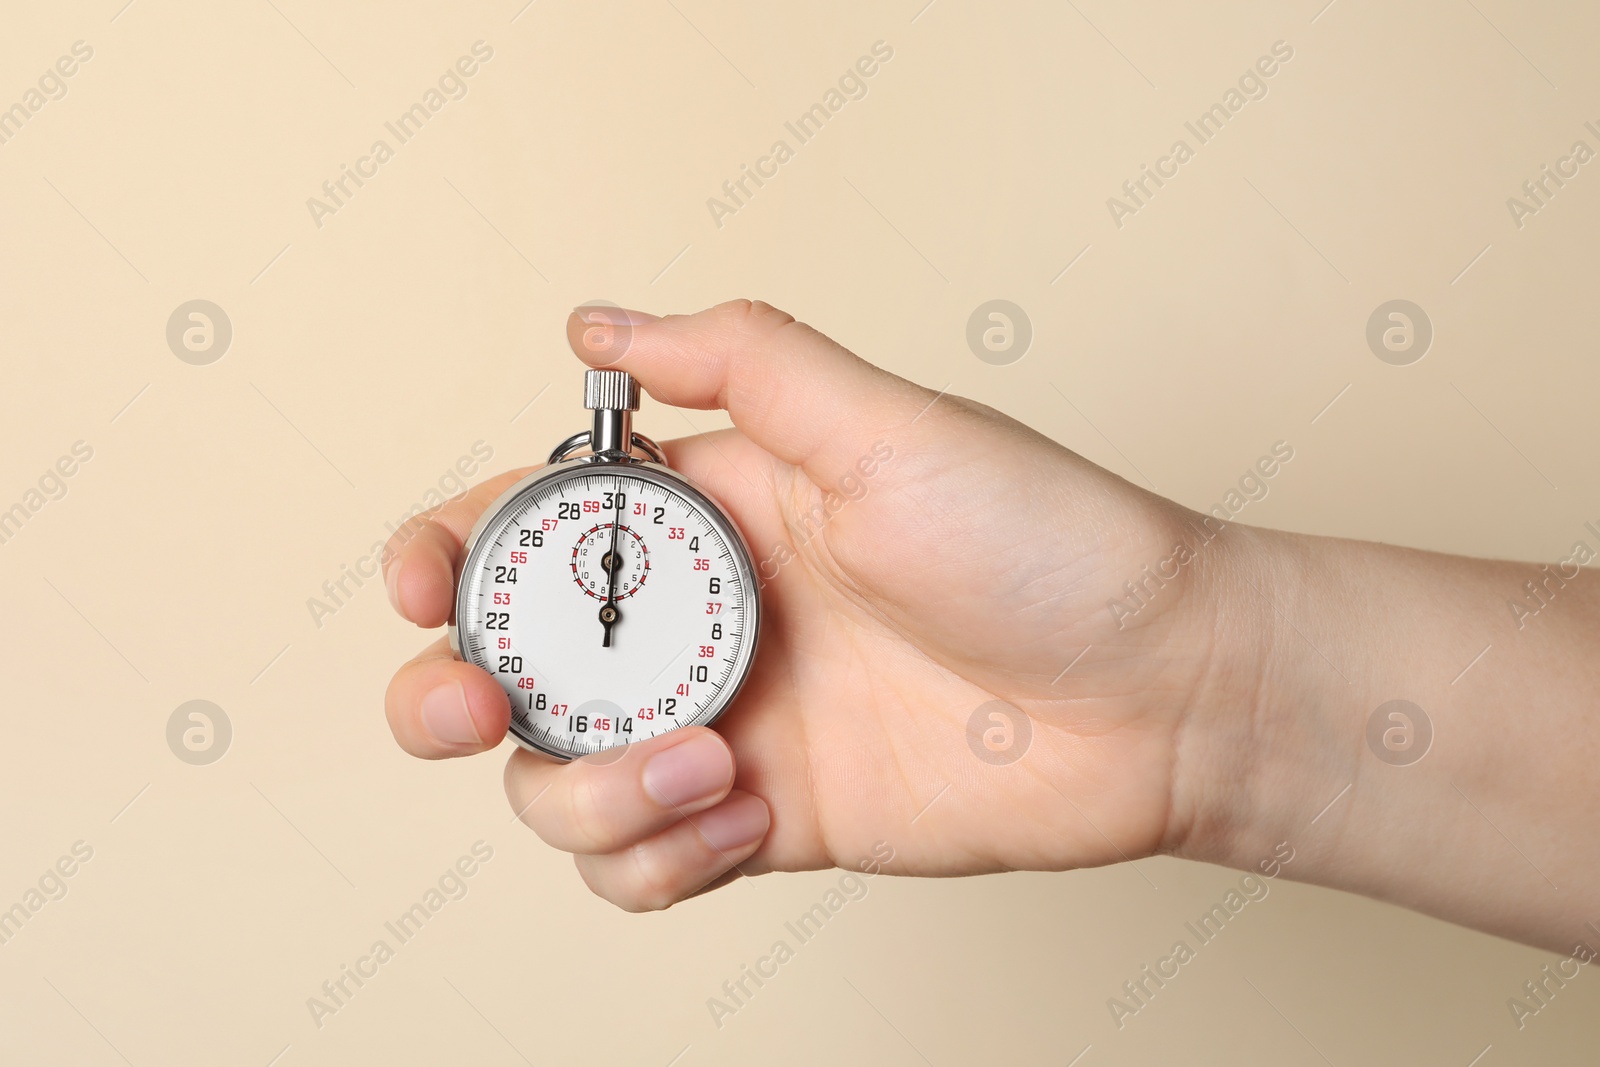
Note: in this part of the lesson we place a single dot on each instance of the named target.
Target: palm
(946, 586)
(913, 610)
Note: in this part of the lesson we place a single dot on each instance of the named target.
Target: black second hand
(609, 615)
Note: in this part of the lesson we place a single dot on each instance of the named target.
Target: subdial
(593, 563)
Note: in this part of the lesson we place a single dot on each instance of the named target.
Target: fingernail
(445, 715)
(606, 315)
(391, 582)
(734, 824)
(687, 772)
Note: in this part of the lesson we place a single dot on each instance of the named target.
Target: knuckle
(752, 316)
(586, 813)
(652, 886)
(733, 310)
(600, 876)
(770, 318)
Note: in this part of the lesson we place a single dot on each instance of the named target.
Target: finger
(617, 798)
(420, 572)
(439, 707)
(681, 860)
(798, 394)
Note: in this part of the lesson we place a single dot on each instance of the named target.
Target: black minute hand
(609, 615)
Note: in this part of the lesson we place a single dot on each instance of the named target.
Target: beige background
(370, 354)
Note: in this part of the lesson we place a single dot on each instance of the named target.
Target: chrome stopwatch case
(610, 597)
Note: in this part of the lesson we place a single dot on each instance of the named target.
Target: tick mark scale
(581, 582)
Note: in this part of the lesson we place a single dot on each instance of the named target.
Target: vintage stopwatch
(611, 599)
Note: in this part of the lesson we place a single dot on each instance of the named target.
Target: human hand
(923, 557)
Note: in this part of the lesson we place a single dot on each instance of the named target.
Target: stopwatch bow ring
(613, 396)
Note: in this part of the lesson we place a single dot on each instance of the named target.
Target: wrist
(1292, 740)
(1268, 739)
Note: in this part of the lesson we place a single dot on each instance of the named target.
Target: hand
(924, 557)
(935, 571)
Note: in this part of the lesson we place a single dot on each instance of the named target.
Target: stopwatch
(611, 598)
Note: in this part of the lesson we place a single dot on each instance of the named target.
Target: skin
(975, 564)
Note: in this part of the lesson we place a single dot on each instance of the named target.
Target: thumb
(799, 395)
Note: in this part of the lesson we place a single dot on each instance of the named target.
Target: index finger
(798, 394)
(421, 557)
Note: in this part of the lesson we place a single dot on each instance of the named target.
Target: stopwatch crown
(610, 390)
